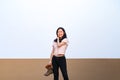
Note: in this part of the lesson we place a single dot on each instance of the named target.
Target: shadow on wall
(78, 69)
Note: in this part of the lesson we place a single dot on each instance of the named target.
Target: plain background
(28, 27)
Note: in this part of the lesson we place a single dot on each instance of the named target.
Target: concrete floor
(78, 69)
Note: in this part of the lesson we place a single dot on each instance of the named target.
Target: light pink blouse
(62, 49)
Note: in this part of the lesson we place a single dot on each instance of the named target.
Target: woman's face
(60, 33)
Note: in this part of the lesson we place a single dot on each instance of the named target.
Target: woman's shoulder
(65, 40)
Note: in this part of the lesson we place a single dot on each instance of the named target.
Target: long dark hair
(64, 36)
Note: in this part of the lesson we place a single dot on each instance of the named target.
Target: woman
(57, 58)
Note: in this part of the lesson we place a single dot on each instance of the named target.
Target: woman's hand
(59, 44)
(50, 63)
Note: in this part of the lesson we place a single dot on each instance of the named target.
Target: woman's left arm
(59, 44)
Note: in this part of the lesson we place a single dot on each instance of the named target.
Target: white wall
(27, 27)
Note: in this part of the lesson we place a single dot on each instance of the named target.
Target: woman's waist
(59, 54)
(59, 51)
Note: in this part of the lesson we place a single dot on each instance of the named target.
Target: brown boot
(49, 70)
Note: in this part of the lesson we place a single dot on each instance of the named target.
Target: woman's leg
(63, 67)
(55, 68)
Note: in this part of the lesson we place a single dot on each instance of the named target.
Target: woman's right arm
(52, 52)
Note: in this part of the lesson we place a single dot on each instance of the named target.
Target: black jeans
(59, 62)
